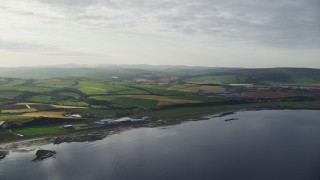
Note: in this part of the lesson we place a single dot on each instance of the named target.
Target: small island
(43, 154)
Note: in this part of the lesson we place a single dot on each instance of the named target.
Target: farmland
(38, 107)
(52, 114)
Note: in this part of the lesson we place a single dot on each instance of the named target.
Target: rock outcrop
(43, 154)
(3, 154)
(79, 138)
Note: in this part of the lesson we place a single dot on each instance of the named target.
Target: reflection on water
(266, 144)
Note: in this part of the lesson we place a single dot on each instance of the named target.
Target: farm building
(104, 122)
(123, 120)
(73, 115)
(68, 127)
(76, 115)
(2, 124)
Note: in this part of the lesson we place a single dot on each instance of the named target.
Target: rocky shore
(3, 154)
(43, 154)
(79, 138)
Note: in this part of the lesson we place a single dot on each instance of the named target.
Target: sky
(219, 33)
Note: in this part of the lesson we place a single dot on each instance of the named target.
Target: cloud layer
(212, 32)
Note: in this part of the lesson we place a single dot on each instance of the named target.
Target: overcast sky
(224, 33)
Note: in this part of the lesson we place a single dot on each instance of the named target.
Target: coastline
(104, 131)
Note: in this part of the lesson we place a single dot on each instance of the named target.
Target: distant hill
(262, 75)
(124, 72)
(183, 73)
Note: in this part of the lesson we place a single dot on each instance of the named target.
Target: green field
(215, 79)
(40, 99)
(189, 112)
(292, 104)
(14, 118)
(9, 95)
(37, 131)
(72, 103)
(70, 94)
(96, 99)
(55, 83)
(128, 101)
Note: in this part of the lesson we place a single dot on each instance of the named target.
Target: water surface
(269, 144)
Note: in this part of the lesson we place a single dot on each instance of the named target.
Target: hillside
(261, 76)
(173, 73)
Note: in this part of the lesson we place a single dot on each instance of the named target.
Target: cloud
(286, 23)
(144, 28)
(41, 49)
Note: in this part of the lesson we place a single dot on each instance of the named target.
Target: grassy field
(27, 89)
(13, 82)
(97, 99)
(128, 101)
(267, 94)
(19, 110)
(164, 100)
(229, 79)
(9, 95)
(72, 103)
(55, 82)
(189, 112)
(210, 89)
(92, 90)
(68, 107)
(132, 92)
(146, 101)
(195, 88)
(14, 118)
(293, 104)
(92, 87)
(39, 99)
(37, 131)
(70, 94)
(102, 112)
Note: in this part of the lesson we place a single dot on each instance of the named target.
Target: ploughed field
(32, 108)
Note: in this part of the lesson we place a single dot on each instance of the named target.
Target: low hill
(181, 73)
(262, 75)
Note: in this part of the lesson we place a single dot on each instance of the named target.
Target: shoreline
(105, 131)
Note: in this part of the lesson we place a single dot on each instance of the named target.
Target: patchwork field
(19, 110)
(164, 100)
(42, 105)
(128, 101)
(195, 88)
(14, 118)
(9, 95)
(40, 99)
(150, 101)
(228, 79)
(267, 94)
(68, 107)
(45, 114)
(36, 131)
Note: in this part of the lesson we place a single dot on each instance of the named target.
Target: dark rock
(78, 138)
(231, 119)
(43, 154)
(3, 154)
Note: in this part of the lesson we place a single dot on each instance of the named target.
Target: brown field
(19, 110)
(68, 107)
(45, 114)
(267, 94)
(24, 103)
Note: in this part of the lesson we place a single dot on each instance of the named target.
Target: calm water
(269, 144)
